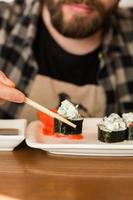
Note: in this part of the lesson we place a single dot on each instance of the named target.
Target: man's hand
(8, 91)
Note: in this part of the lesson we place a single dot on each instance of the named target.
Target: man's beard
(79, 26)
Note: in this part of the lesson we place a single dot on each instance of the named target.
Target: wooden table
(31, 174)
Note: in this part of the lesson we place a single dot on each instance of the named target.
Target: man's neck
(73, 46)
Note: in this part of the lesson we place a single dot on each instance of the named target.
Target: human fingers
(8, 93)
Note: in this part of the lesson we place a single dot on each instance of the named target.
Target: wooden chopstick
(48, 112)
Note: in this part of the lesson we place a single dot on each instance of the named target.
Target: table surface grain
(32, 174)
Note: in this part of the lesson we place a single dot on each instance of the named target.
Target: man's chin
(77, 31)
(76, 34)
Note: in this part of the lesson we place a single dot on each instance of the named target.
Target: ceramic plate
(88, 146)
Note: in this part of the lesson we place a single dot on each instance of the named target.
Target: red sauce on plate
(71, 136)
(76, 137)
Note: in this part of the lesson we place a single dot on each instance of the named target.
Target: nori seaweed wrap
(111, 137)
(112, 129)
(62, 128)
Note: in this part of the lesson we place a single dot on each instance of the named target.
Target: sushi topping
(68, 110)
(128, 118)
(112, 123)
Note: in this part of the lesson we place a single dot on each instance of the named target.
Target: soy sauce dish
(12, 133)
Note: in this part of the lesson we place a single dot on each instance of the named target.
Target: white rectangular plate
(89, 146)
(9, 142)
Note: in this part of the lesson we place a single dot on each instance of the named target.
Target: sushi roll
(130, 131)
(128, 118)
(112, 129)
(70, 112)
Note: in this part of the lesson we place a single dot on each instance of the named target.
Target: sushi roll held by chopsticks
(70, 112)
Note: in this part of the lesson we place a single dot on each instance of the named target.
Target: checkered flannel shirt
(18, 23)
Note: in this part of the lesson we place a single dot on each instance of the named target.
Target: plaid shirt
(18, 23)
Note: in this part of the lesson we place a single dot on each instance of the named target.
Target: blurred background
(123, 2)
(126, 3)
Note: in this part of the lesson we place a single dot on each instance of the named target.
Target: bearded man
(76, 49)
